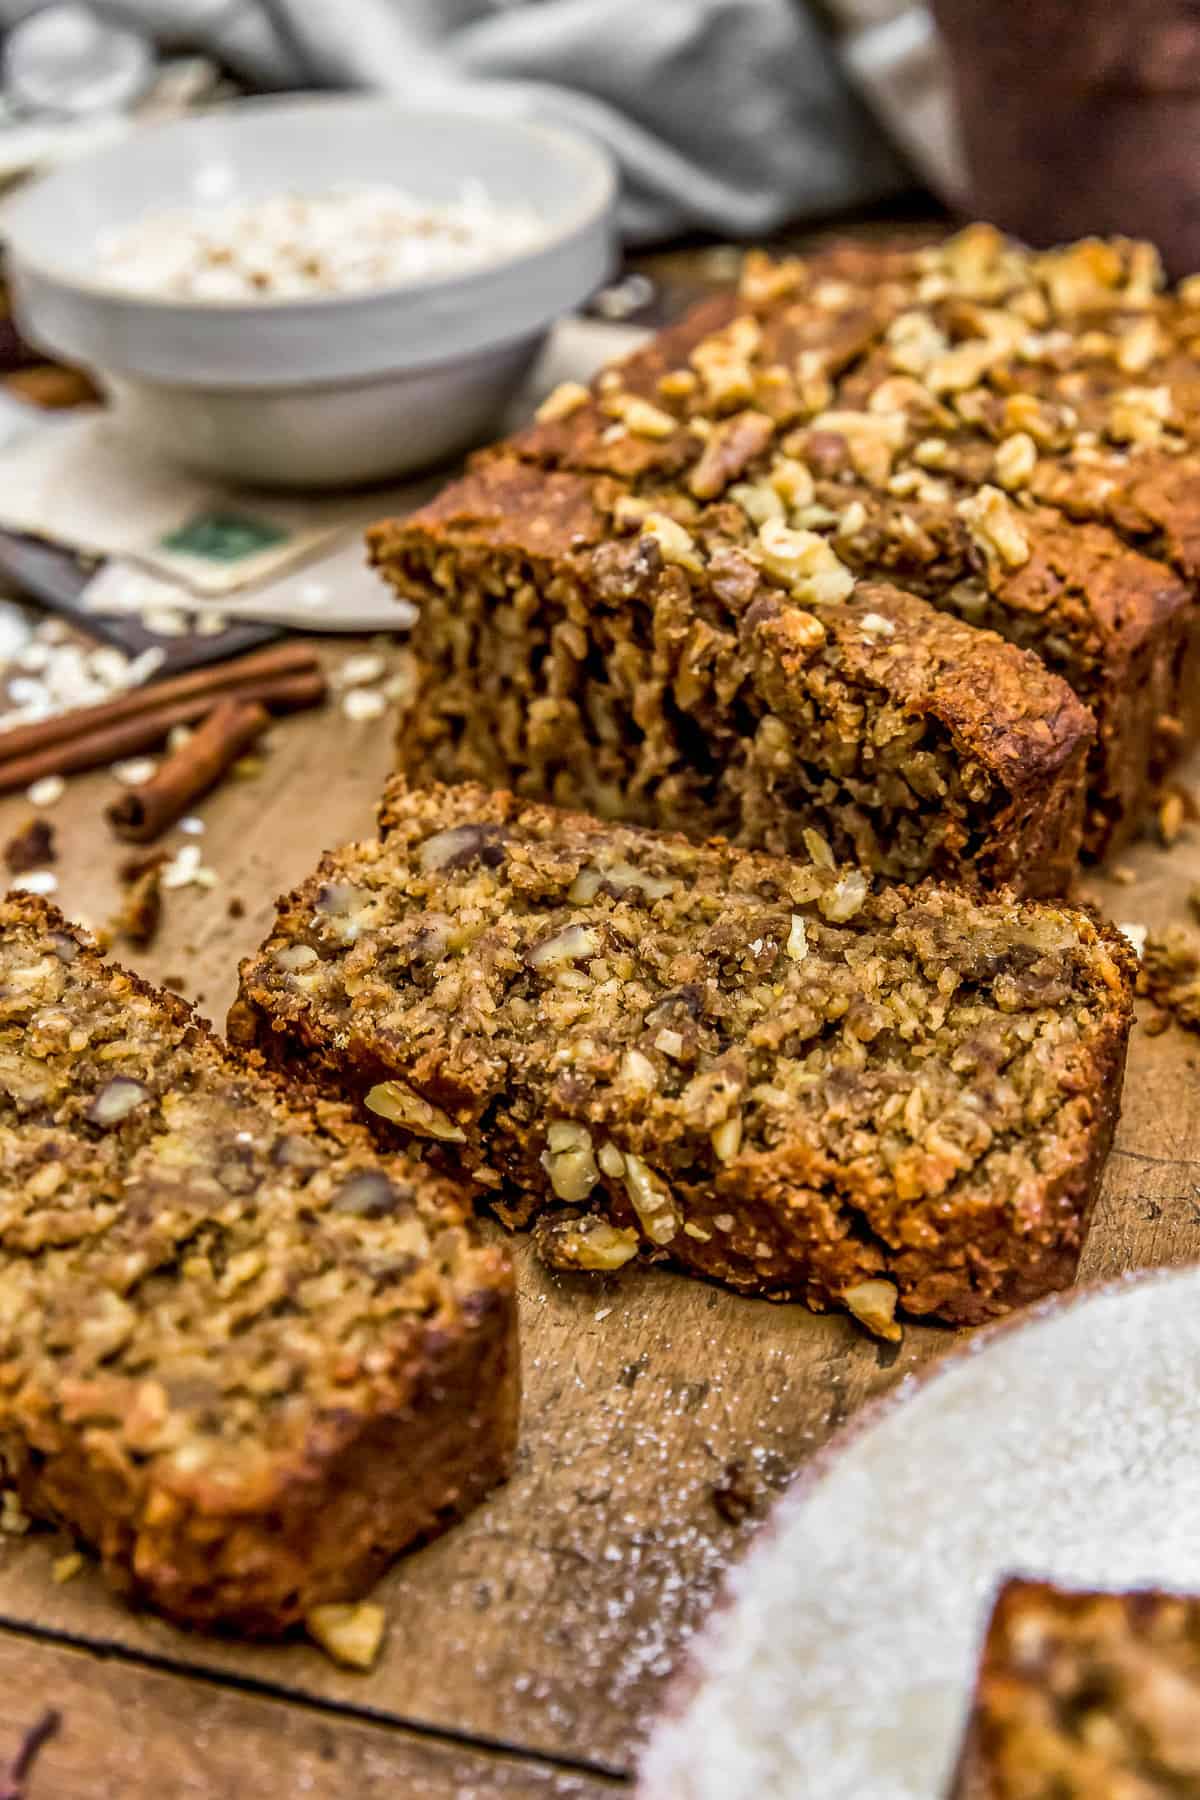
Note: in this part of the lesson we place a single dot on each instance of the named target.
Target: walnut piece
(396, 1101)
(569, 1161)
(351, 1635)
(873, 1304)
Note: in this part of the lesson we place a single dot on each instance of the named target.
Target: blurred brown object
(1081, 116)
(53, 387)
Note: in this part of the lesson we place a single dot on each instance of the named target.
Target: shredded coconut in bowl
(345, 240)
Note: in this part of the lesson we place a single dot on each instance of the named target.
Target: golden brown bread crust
(753, 1067)
(244, 1357)
(1084, 1696)
(1015, 438)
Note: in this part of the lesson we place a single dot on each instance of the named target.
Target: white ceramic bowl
(325, 392)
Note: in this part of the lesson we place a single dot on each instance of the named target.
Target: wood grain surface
(660, 1414)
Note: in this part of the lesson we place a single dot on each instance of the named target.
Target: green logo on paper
(223, 537)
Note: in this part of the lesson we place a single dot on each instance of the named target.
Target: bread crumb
(64, 1568)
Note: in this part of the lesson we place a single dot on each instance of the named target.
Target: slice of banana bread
(1085, 1696)
(244, 1357)
(666, 677)
(757, 1068)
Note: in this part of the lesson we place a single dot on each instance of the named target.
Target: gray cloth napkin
(727, 115)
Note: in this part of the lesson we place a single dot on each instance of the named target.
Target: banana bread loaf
(757, 1068)
(1085, 1696)
(1008, 436)
(246, 1358)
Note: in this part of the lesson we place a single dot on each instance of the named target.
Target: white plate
(1065, 1445)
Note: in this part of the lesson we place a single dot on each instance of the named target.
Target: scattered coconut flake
(46, 792)
(602, 1313)
(37, 881)
(186, 870)
(1136, 934)
(360, 704)
(359, 671)
(165, 621)
(25, 691)
(210, 624)
(178, 736)
(877, 625)
(192, 825)
(135, 773)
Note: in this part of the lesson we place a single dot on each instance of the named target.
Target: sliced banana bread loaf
(757, 1068)
(1010, 436)
(245, 1357)
(669, 677)
(1085, 1696)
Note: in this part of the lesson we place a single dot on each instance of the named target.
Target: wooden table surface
(527, 1650)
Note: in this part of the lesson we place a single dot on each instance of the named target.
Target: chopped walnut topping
(873, 1304)
(734, 443)
(638, 1071)
(676, 545)
(567, 398)
(852, 520)
(1137, 415)
(812, 377)
(116, 1100)
(678, 384)
(1015, 461)
(589, 1243)
(640, 416)
(932, 453)
(818, 848)
(611, 1161)
(804, 563)
(764, 281)
(759, 501)
(569, 1161)
(846, 897)
(1080, 276)
(872, 440)
(1051, 427)
(962, 367)
(572, 944)
(723, 361)
(1139, 346)
(727, 1139)
(994, 527)
(651, 1199)
(630, 513)
(792, 481)
(915, 342)
(396, 1101)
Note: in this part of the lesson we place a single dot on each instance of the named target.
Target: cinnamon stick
(96, 738)
(145, 812)
(211, 683)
